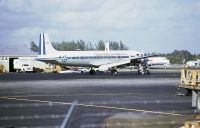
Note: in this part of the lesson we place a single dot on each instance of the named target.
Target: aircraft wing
(106, 66)
(48, 60)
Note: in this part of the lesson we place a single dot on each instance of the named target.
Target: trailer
(22, 65)
(190, 80)
(25, 64)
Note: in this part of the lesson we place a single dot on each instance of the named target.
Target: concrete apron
(132, 120)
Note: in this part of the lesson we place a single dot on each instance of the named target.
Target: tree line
(175, 57)
(180, 56)
(82, 45)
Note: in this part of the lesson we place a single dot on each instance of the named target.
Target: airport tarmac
(43, 100)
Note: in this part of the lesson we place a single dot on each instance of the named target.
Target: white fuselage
(157, 61)
(90, 58)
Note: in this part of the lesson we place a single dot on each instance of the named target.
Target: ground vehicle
(190, 80)
(22, 65)
(2, 68)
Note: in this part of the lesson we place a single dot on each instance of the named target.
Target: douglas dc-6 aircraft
(96, 60)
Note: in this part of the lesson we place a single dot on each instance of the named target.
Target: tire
(114, 72)
(92, 72)
(198, 101)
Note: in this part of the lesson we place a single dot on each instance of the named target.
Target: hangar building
(9, 54)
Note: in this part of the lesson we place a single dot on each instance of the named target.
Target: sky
(159, 26)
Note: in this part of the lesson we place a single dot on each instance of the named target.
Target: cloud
(141, 24)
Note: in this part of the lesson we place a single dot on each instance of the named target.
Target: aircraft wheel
(92, 72)
(106, 72)
(114, 72)
(198, 101)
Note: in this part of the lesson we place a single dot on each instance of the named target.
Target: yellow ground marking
(94, 106)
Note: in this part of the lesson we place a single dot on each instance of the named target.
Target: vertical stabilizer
(107, 46)
(41, 45)
(46, 47)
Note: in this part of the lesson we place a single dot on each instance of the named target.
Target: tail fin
(46, 47)
(107, 46)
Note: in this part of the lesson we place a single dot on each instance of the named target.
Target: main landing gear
(113, 71)
(143, 69)
(92, 71)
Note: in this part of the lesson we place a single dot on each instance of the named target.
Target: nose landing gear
(143, 69)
